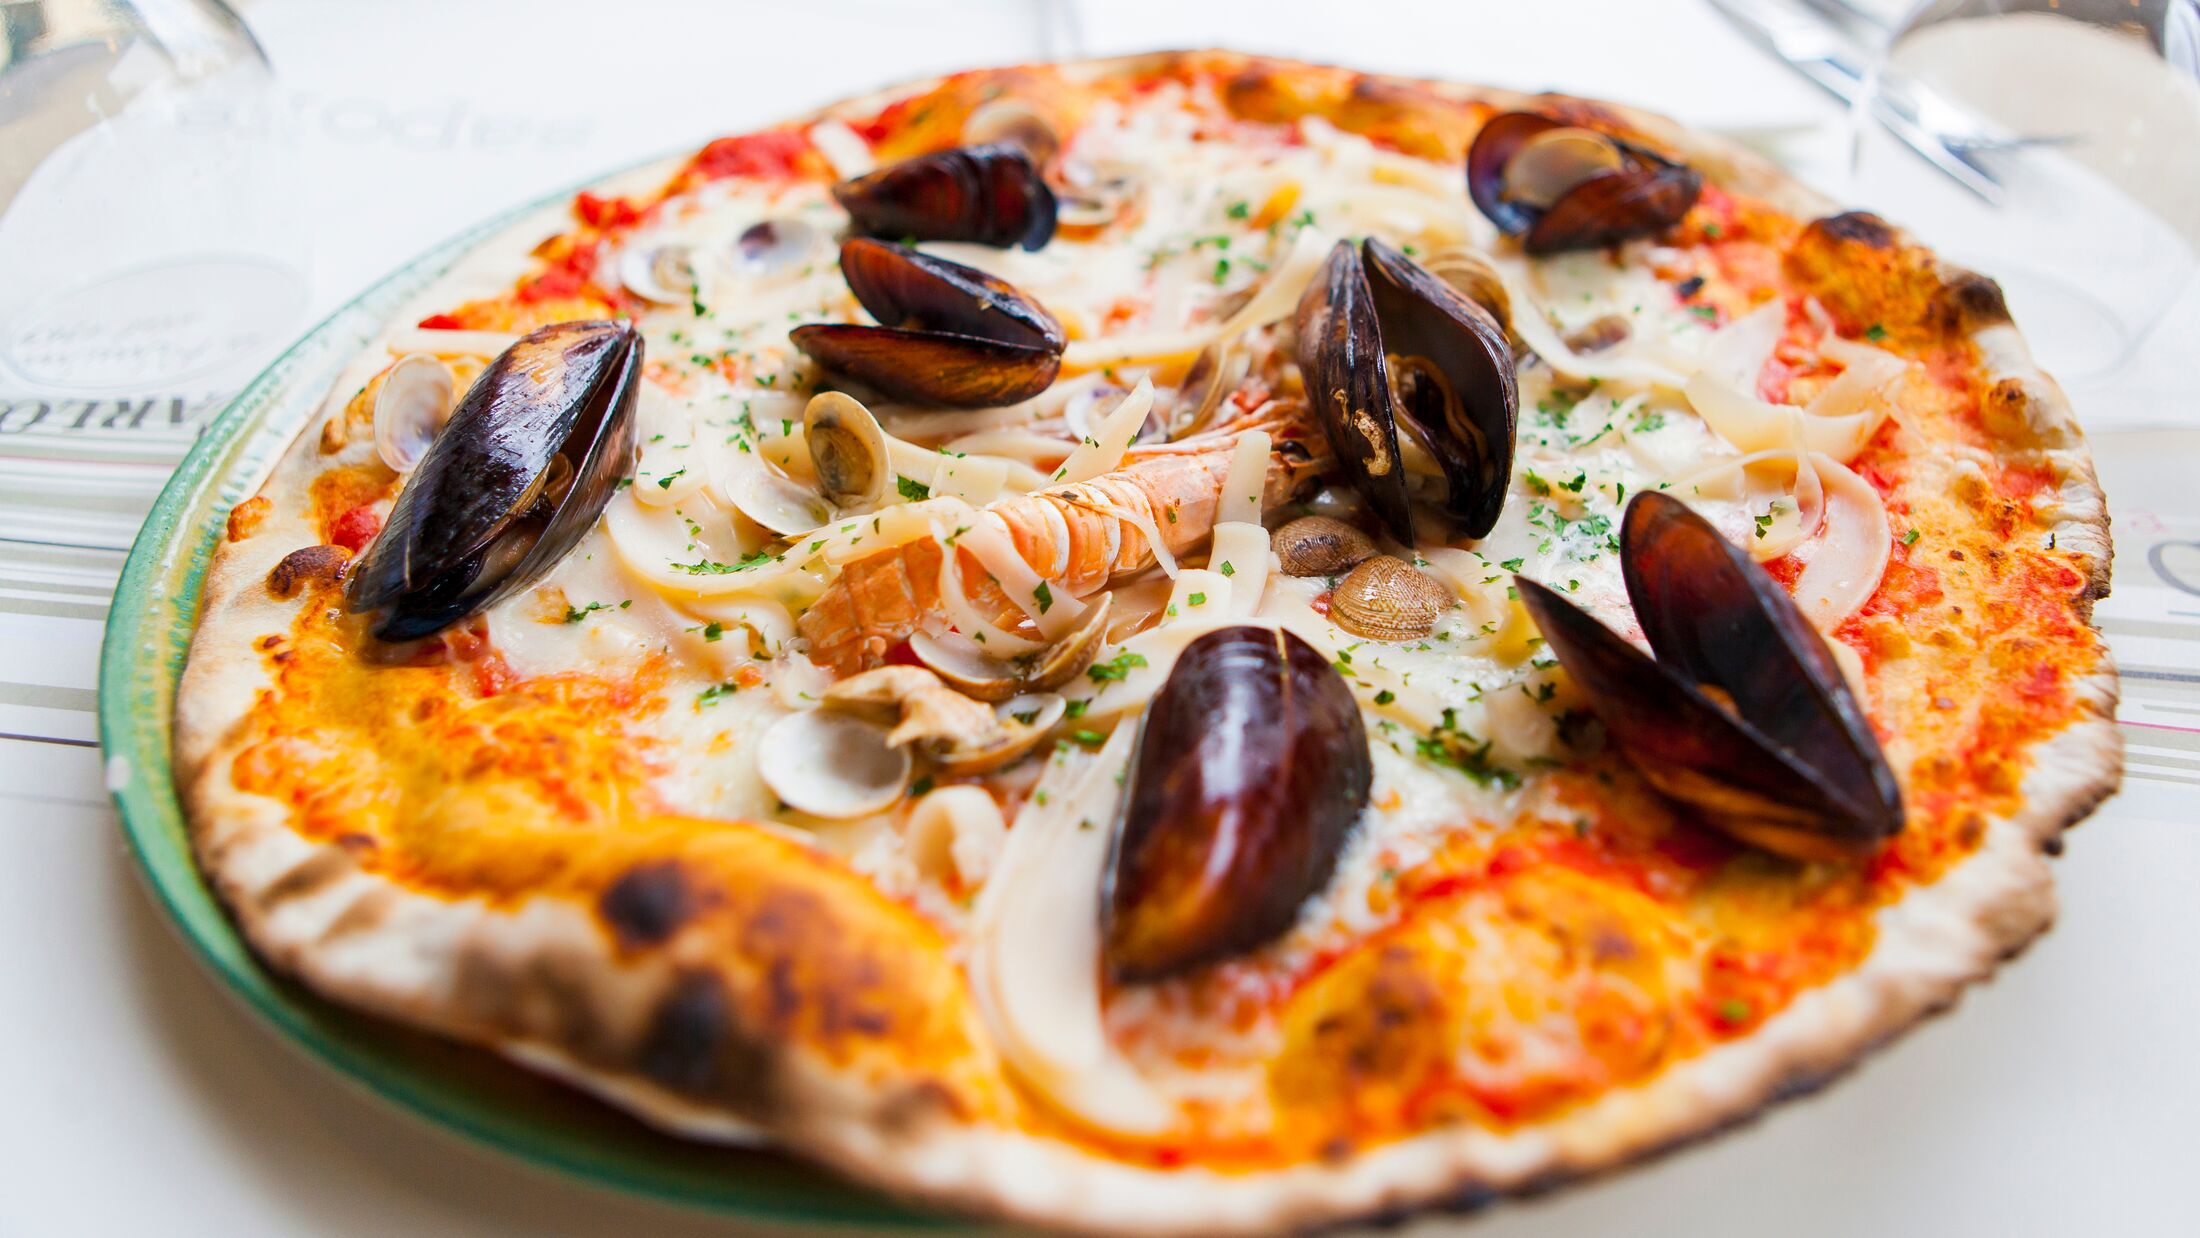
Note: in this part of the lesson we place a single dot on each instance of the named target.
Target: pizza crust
(544, 983)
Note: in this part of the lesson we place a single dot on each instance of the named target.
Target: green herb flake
(711, 567)
(1910, 538)
(911, 489)
(1045, 596)
(1454, 749)
(1117, 668)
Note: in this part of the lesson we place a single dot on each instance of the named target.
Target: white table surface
(140, 1099)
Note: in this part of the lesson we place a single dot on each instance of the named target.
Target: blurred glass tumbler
(2088, 112)
(152, 236)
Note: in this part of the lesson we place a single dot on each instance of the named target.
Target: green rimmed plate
(470, 1091)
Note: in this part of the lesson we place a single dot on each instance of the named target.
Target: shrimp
(1076, 536)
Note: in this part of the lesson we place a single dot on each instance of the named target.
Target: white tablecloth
(140, 1100)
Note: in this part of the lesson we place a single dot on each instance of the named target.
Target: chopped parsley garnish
(711, 567)
(1228, 569)
(1045, 596)
(665, 482)
(1875, 333)
(1455, 749)
(1197, 599)
(1075, 709)
(912, 489)
(1910, 538)
(1385, 697)
(1116, 668)
(1240, 210)
(574, 614)
(716, 693)
(714, 631)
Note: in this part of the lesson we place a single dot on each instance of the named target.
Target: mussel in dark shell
(1558, 186)
(951, 336)
(518, 475)
(1251, 767)
(1383, 344)
(991, 194)
(1743, 715)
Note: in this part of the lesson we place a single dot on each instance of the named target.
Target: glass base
(156, 326)
(2072, 333)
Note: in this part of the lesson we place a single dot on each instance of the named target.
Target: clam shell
(967, 669)
(1321, 546)
(849, 451)
(1017, 737)
(778, 503)
(776, 250)
(1387, 599)
(411, 408)
(831, 764)
(664, 274)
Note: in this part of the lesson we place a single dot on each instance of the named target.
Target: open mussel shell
(950, 335)
(1382, 341)
(1743, 714)
(1561, 187)
(1340, 353)
(1016, 122)
(990, 195)
(528, 460)
(1465, 395)
(1251, 768)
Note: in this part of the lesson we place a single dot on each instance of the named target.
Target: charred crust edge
(648, 903)
(1861, 227)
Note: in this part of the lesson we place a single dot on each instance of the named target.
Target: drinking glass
(150, 224)
(2088, 114)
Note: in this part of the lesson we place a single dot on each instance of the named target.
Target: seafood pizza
(1182, 643)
